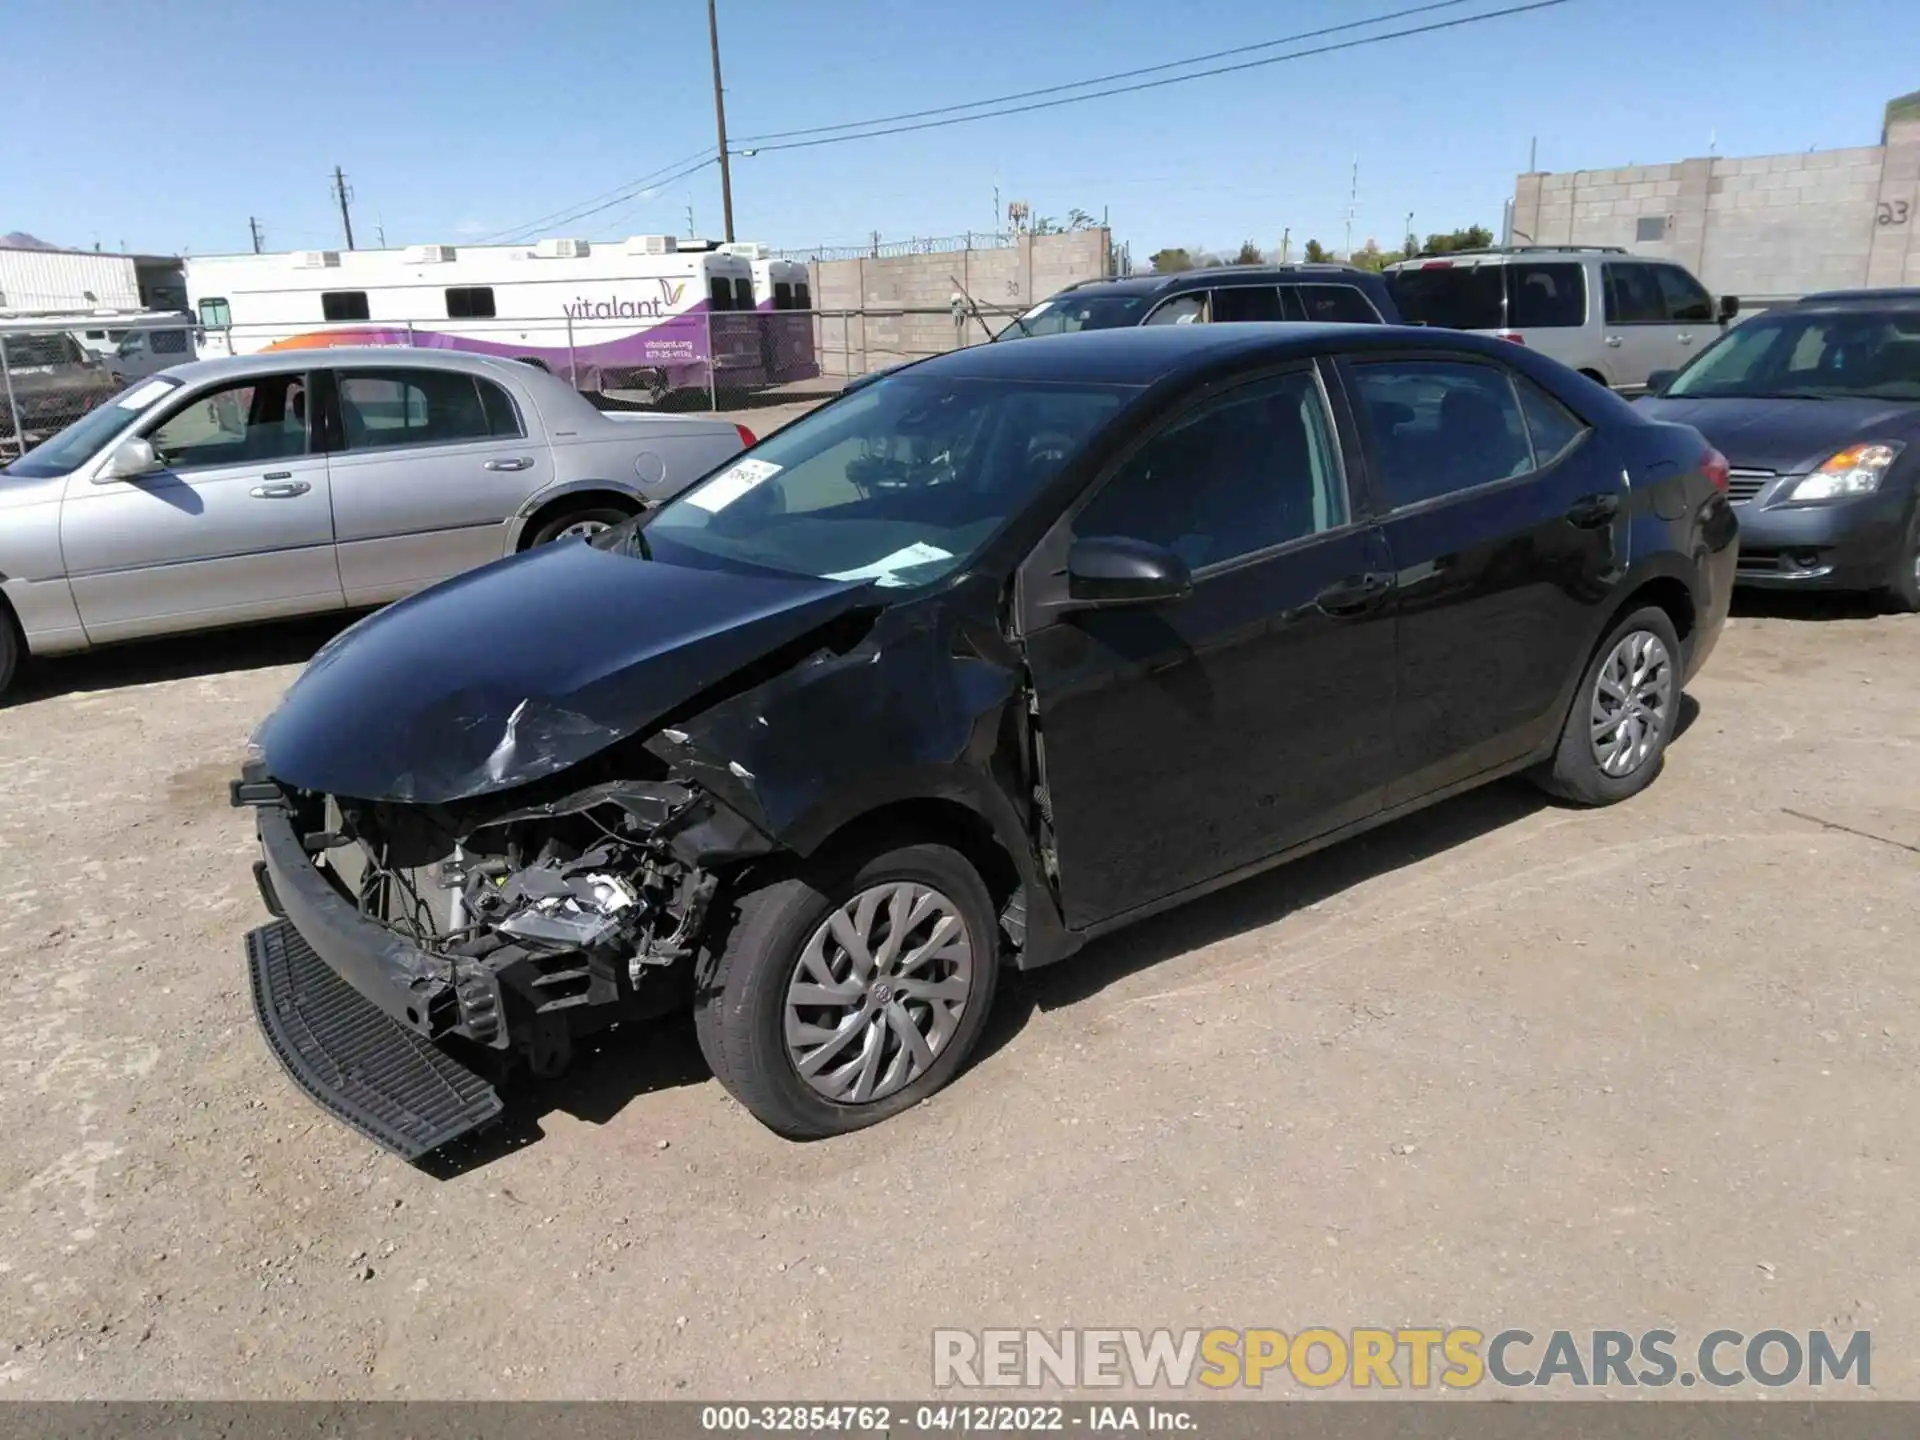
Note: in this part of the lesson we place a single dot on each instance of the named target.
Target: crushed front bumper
(354, 1060)
(352, 1011)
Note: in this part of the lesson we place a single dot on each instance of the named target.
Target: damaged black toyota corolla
(998, 653)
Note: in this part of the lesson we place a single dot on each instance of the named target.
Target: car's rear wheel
(11, 648)
(851, 990)
(1623, 715)
(578, 524)
(1903, 588)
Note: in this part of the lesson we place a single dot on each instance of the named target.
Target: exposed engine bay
(597, 899)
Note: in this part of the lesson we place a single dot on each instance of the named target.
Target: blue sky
(455, 118)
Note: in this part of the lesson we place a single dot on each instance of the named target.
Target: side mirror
(1729, 307)
(1658, 380)
(1112, 570)
(130, 459)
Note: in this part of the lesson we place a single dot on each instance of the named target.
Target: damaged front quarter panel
(928, 705)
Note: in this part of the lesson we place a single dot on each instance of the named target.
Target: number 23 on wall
(1892, 212)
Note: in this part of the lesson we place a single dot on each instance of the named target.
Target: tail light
(747, 441)
(1714, 466)
(1511, 335)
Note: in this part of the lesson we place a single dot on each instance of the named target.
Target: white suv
(1614, 316)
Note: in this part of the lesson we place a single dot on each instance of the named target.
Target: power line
(1104, 79)
(658, 183)
(1366, 40)
(626, 190)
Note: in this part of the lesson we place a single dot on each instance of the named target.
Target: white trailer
(56, 280)
(632, 314)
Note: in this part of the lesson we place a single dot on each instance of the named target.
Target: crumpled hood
(523, 668)
(1789, 436)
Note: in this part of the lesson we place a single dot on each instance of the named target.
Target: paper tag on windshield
(142, 396)
(730, 484)
(885, 569)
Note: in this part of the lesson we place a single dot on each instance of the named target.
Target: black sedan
(1817, 407)
(981, 661)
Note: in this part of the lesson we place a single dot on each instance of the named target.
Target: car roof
(1142, 355)
(274, 362)
(1212, 275)
(1514, 254)
(1899, 295)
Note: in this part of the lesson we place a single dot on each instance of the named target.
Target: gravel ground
(1498, 1064)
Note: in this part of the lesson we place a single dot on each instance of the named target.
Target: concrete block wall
(1754, 225)
(1005, 279)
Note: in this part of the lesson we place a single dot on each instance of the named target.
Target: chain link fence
(49, 378)
(697, 361)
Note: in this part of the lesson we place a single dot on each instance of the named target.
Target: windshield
(1454, 297)
(26, 351)
(898, 483)
(1069, 312)
(1812, 355)
(81, 441)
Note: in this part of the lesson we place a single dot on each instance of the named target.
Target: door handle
(1614, 341)
(518, 462)
(1354, 595)
(1590, 512)
(1684, 339)
(280, 489)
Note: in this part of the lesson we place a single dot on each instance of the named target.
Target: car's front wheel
(1623, 715)
(1903, 588)
(852, 989)
(10, 651)
(578, 525)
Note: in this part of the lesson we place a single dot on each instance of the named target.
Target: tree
(1473, 237)
(1316, 253)
(1079, 220)
(1249, 254)
(1166, 262)
(1370, 257)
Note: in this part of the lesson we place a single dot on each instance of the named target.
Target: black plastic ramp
(362, 1066)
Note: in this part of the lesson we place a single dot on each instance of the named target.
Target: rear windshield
(1532, 294)
(1068, 312)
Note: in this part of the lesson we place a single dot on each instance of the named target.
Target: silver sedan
(228, 491)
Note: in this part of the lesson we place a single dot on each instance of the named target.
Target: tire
(1576, 772)
(602, 517)
(11, 650)
(742, 1004)
(1902, 592)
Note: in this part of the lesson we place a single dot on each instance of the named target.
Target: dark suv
(1336, 293)
(1000, 653)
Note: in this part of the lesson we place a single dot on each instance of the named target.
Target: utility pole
(690, 234)
(997, 217)
(343, 195)
(253, 225)
(720, 122)
(1353, 201)
(1408, 246)
(1286, 244)
(380, 233)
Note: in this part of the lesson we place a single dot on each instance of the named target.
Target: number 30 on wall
(1892, 212)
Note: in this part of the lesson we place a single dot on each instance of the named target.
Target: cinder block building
(1762, 227)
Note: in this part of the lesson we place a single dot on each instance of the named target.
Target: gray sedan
(235, 490)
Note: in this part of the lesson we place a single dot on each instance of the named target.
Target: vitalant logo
(585, 308)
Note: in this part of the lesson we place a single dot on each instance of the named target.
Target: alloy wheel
(878, 991)
(1632, 703)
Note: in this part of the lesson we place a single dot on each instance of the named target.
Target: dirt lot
(1499, 1064)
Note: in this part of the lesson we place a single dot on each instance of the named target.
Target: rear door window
(1553, 428)
(380, 409)
(1337, 304)
(1546, 296)
(1455, 297)
(1633, 295)
(720, 293)
(742, 293)
(1246, 303)
(1686, 298)
(1441, 426)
